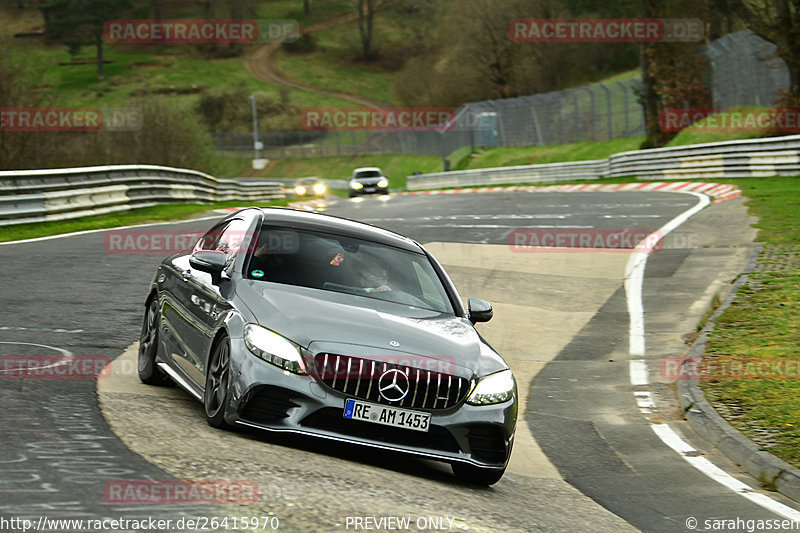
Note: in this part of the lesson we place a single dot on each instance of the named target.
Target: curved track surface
(586, 457)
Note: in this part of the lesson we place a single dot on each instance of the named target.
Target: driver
(374, 279)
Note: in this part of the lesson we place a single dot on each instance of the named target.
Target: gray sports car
(301, 322)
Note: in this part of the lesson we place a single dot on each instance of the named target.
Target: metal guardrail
(61, 194)
(517, 174)
(773, 156)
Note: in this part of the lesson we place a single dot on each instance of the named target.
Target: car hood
(325, 321)
(368, 181)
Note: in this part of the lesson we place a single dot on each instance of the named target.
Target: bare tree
(366, 25)
(649, 95)
(80, 23)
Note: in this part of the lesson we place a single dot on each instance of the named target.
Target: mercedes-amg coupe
(291, 321)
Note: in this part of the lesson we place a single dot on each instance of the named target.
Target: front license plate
(388, 416)
(369, 189)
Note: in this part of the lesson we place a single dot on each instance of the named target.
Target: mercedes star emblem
(393, 385)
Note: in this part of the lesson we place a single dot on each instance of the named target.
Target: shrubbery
(169, 135)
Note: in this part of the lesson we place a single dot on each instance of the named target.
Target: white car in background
(368, 180)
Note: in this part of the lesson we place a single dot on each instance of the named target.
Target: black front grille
(331, 419)
(266, 404)
(360, 378)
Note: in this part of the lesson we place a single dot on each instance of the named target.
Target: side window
(209, 241)
(230, 240)
(226, 238)
(431, 290)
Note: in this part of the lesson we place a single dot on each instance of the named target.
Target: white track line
(634, 279)
(88, 231)
(673, 440)
(638, 370)
(634, 274)
(67, 355)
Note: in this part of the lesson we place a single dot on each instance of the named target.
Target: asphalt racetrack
(586, 455)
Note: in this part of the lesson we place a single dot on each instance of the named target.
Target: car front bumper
(369, 189)
(266, 397)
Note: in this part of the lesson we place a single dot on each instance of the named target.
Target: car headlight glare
(300, 190)
(319, 188)
(495, 388)
(356, 185)
(383, 183)
(274, 349)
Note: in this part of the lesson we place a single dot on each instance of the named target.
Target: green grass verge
(694, 134)
(763, 325)
(143, 215)
(531, 155)
(397, 165)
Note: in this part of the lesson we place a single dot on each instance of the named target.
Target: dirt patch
(192, 89)
(150, 65)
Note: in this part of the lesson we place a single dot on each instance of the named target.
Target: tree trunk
(649, 99)
(306, 7)
(99, 45)
(365, 22)
(793, 64)
(158, 9)
(649, 96)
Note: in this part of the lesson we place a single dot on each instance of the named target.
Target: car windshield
(347, 265)
(368, 174)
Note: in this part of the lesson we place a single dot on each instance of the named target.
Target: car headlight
(300, 190)
(273, 348)
(319, 188)
(383, 183)
(356, 185)
(494, 388)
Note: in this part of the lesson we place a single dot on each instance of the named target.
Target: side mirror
(479, 310)
(211, 262)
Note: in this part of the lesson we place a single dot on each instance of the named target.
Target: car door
(209, 303)
(183, 316)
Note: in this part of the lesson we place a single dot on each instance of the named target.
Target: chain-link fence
(743, 71)
(597, 112)
(281, 144)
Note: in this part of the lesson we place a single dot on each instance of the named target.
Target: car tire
(477, 476)
(148, 370)
(215, 396)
